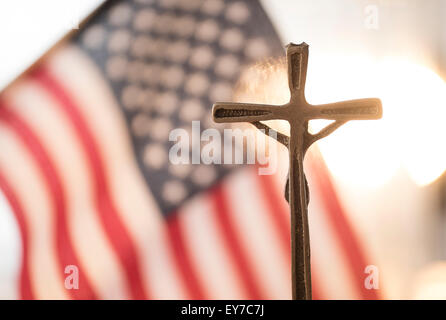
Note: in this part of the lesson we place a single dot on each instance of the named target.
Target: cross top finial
(298, 112)
(297, 57)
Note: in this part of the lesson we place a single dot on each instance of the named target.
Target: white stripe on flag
(208, 252)
(10, 252)
(248, 213)
(26, 179)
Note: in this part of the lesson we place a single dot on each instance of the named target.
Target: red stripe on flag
(183, 261)
(25, 288)
(116, 231)
(64, 245)
(279, 212)
(341, 226)
(233, 242)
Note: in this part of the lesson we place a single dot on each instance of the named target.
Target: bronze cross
(298, 112)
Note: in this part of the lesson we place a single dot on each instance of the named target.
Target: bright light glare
(367, 153)
(411, 133)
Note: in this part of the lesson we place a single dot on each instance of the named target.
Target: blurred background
(387, 175)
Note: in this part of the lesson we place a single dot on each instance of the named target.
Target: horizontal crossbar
(360, 109)
(245, 112)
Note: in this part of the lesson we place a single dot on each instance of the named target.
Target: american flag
(84, 166)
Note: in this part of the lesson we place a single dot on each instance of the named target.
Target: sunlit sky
(396, 63)
(29, 28)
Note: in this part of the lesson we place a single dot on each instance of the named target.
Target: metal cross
(298, 112)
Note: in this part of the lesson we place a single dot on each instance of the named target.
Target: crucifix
(298, 112)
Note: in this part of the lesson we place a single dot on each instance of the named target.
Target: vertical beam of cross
(297, 58)
(298, 112)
